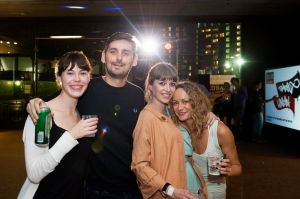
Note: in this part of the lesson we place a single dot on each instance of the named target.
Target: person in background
(117, 102)
(189, 108)
(257, 109)
(223, 105)
(239, 99)
(158, 153)
(58, 170)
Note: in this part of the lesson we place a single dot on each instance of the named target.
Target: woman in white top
(189, 110)
(58, 170)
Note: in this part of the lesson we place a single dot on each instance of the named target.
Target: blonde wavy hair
(160, 71)
(200, 103)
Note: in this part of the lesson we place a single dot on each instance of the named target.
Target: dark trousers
(94, 193)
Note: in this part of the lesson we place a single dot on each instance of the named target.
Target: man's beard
(122, 75)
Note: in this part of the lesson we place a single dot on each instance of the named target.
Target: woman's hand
(182, 194)
(84, 128)
(225, 167)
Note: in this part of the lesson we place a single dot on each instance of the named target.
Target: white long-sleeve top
(40, 161)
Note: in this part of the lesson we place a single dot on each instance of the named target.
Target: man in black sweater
(117, 103)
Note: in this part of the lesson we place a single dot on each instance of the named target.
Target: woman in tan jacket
(158, 153)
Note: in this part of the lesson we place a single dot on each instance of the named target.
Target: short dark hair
(235, 79)
(121, 36)
(73, 58)
(227, 84)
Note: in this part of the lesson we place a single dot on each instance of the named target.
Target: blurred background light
(76, 7)
(168, 46)
(65, 36)
(113, 9)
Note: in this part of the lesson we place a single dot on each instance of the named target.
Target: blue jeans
(94, 193)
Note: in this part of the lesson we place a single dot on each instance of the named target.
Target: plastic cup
(213, 161)
(84, 117)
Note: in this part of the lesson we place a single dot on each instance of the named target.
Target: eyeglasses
(184, 102)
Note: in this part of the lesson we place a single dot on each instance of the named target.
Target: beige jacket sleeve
(149, 180)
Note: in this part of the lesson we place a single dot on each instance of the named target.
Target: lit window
(208, 30)
(227, 33)
(238, 38)
(227, 39)
(227, 28)
(238, 49)
(208, 35)
(222, 34)
(227, 45)
(238, 43)
(238, 26)
(227, 50)
(170, 28)
(238, 32)
(215, 40)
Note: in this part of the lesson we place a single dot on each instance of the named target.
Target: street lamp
(239, 62)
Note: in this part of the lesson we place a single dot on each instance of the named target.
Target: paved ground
(270, 170)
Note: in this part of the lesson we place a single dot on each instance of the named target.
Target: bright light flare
(240, 61)
(149, 46)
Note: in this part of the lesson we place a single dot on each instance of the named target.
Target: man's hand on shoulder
(33, 108)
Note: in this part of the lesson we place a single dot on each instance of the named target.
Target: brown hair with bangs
(160, 71)
(73, 58)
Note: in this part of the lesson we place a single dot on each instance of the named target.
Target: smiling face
(119, 58)
(182, 105)
(162, 91)
(74, 81)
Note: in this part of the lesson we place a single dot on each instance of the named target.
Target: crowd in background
(241, 108)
